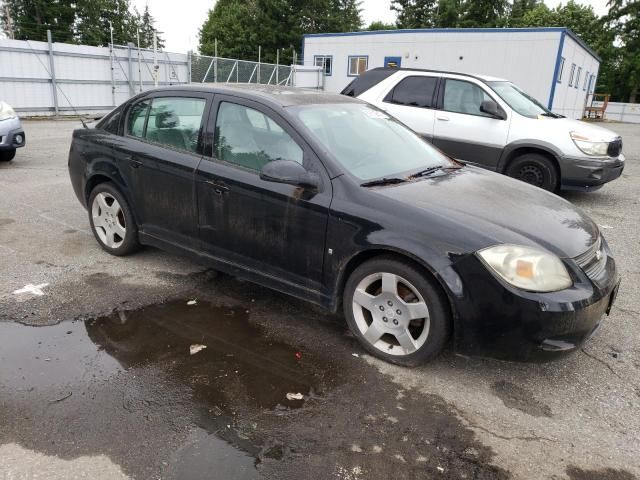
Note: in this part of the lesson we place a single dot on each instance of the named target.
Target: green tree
(484, 13)
(240, 26)
(145, 24)
(414, 13)
(624, 19)
(448, 14)
(378, 25)
(519, 8)
(30, 19)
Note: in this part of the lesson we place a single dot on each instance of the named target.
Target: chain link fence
(225, 70)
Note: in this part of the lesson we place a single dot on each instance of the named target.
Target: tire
(534, 169)
(382, 320)
(7, 155)
(111, 220)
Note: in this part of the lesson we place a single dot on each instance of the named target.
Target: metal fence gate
(206, 69)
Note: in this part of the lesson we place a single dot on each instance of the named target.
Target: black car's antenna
(58, 86)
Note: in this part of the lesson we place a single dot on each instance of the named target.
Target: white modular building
(552, 64)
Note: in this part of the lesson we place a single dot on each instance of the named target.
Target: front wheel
(7, 155)
(111, 220)
(397, 311)
(534, 169)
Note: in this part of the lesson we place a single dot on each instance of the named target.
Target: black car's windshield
(520, 101)
(367, 142)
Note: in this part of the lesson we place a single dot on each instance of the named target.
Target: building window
(560, 70)
(324, 61)
(578, 77)
(573, 71)
(586, 80)
(358, 64)
(592, 84)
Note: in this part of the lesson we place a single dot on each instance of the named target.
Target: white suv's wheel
(396, 311)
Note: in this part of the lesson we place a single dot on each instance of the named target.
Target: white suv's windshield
(520, 101)
(367, 142)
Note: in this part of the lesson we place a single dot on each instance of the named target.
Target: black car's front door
(162, 148)
(273, 229)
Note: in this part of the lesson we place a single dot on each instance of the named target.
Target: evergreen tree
(30, 19)
(484, 13)
(378, 25)
(145, 24)
(448, 14)
(414, 13)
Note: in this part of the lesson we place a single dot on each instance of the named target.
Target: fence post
(130, 70)
(52, 73)
(189, 55)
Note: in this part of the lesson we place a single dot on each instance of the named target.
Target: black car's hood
(489, 208)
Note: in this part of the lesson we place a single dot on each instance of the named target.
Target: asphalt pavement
(104, 374)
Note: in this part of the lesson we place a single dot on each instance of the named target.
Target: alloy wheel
(108, 220)
(391, 314)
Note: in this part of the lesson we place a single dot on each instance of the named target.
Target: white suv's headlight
(591, 146)
(6, 112)
(527, 268)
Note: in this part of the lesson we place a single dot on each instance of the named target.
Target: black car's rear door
(162, 148)
(271, 228)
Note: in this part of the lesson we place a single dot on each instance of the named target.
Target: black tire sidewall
(550, 182)
(130, 243)
(439, 314)
(7, 155)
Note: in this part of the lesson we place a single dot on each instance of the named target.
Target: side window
(560, 70)
(112, 123)
(324, 61)
(246, 137)
(573, 71)
(414, 92)
(578, 77)
(176, 122)
(136, 118)
(357, 65)
(464, 97)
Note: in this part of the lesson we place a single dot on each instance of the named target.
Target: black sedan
(333, 201)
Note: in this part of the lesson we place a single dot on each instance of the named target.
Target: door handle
(443, 119)
(218, 189)
(134, 162)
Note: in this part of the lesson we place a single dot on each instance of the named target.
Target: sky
(180, 21)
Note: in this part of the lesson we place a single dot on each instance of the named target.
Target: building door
(392, 62)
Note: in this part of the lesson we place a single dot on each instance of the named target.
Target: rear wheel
(396, 311)
(7, 155)
(111, 220)
(534, 169)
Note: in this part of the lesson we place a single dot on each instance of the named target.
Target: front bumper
(11, 134)
(588, 174)
(497, 320)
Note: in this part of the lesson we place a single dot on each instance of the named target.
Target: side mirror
(493, 109)
(289, 172)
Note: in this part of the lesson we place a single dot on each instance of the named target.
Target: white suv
(490, 122)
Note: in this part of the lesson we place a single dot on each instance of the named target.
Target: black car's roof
(282, 96)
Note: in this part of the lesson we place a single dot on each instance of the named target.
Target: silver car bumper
(11, 134)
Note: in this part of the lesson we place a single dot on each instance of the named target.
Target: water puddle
(139, 368)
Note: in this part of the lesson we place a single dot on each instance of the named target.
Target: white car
(490, 122)
(11, 133)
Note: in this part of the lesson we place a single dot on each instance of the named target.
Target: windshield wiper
(383, 181)
(552, 115)
(428, 171)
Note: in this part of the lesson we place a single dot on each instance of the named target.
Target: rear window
(416, 91)
(367, 80)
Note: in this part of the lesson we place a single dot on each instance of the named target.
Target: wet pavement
(97, 378)
(203, 392)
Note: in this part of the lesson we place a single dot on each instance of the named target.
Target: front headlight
(527, 268)
(591, 146)
(6, 112)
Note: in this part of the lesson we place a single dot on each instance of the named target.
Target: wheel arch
(99, 176)
(374, 252)
(515, 150)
